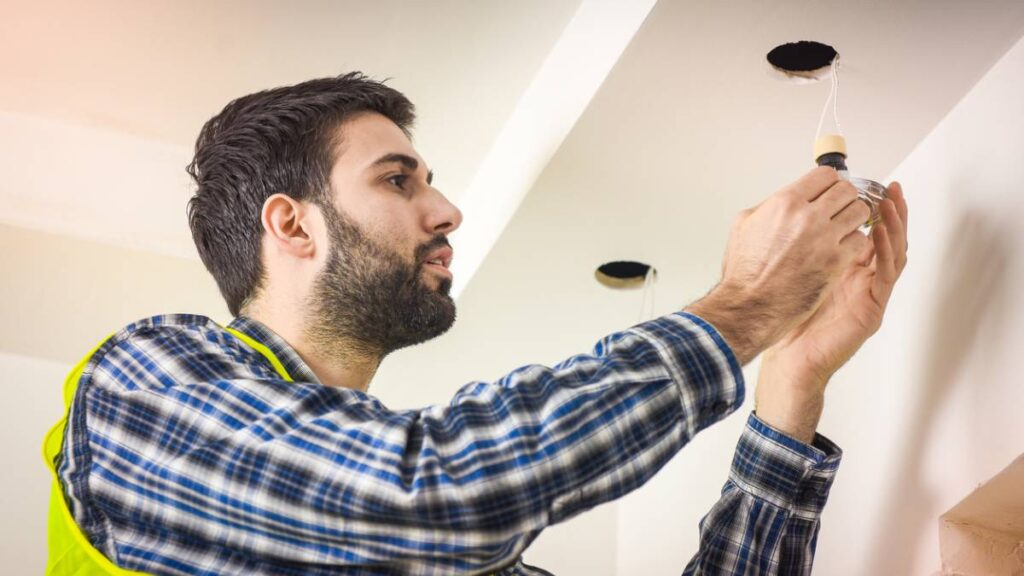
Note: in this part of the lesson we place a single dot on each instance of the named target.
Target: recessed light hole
(623, 274)
(802, 61)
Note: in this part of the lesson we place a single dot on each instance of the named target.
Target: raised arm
(179, 457)
(768, 517)
(296, 475)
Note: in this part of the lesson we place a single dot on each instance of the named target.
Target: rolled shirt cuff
(784, 471)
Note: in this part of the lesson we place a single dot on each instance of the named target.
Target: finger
(852, 217)
(885, 264)
(867, 252)
(855, 247)
(836, 198)
(895, 192)
(896, 232)
(812, 184)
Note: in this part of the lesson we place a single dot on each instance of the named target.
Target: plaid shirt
(186, 453)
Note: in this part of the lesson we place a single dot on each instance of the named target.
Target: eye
(398, 181)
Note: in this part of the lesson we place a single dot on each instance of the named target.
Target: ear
(288, 224)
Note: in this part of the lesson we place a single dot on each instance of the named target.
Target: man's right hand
(781, 257)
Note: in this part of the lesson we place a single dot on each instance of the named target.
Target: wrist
(790, 398)
(797, 420)
(740, 319)
(782, 368)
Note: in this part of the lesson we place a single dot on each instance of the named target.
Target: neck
(336, 360)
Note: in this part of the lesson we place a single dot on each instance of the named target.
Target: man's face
(377, 287)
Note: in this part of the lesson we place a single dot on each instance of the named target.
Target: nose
(443, 216)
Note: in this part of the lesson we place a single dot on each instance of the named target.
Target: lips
(441, 257)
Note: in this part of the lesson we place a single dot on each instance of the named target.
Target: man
(192, 448)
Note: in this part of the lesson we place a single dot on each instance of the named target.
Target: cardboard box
(983, 535)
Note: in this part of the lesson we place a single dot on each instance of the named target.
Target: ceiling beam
(571, 74)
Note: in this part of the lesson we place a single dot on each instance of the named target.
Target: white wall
(941, 383)
(931, 406)
(33, 386)
(59, 297)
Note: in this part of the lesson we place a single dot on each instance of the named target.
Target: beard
(370, 299)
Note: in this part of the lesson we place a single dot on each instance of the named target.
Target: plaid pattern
(767, 519)
(186, 453)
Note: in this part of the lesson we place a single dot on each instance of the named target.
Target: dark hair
(278, 140)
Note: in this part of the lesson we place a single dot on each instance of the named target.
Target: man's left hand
(794, 372)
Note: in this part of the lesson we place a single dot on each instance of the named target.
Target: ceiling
(679, 127)
(689, 128)
(158, 70)
(100, 97)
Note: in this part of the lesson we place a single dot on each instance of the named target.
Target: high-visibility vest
(70, 552)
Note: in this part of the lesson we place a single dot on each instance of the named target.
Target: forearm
(768, 517)
(790, 397)
(605, 422)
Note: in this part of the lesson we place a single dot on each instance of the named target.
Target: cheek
(389, 223)
(394, 239)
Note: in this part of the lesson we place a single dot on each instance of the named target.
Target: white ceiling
(689, 128)
(100, 103)
(159, 69)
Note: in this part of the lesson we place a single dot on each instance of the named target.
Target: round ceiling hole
(624, 274)
(803, 61)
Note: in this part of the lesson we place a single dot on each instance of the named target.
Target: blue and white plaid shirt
(186, 453)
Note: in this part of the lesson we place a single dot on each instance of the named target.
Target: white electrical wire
(833, 96)
(643, 296)
(654, 280)
(649, 279)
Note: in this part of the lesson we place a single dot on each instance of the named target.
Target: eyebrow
(403, 159)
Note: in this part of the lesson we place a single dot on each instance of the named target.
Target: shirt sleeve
(189, 464)
(767, 520)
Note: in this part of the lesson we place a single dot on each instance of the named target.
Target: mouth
(440, 261)
(438, 267)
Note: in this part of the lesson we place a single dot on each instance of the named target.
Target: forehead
(367, 137)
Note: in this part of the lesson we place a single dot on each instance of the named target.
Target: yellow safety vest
(71, 553)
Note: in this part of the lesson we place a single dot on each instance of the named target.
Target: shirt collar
(289, 358)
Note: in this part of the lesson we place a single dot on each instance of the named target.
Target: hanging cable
(833, 96)
(646, 312)
(654, 280)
